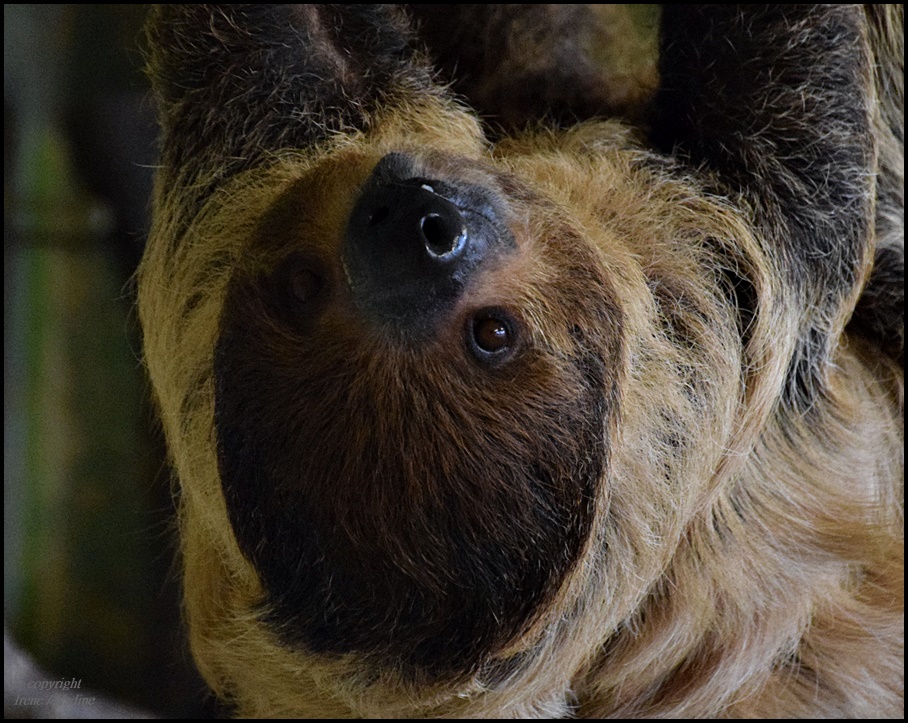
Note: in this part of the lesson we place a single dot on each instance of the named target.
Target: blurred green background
(90, 583)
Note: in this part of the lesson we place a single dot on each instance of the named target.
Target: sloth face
(413, 402)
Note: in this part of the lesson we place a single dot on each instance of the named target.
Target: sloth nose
(413, 225)
(411, 245)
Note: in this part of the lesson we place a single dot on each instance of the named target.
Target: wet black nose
(413, 223)
(412, 244)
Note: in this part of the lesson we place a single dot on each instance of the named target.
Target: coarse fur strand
(682, 496)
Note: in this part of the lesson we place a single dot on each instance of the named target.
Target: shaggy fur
(678, 490)
(522, 63)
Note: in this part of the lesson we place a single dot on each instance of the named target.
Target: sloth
(557, 416)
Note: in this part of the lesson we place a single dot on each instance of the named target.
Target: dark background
(91, 590)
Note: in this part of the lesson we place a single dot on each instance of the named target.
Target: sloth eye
(300, 287)
(491, 335)
(304, 285)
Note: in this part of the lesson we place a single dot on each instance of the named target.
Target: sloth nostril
(441, 235)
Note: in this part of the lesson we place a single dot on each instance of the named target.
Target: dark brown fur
(520, 64)
(489, 555)
(676, 492)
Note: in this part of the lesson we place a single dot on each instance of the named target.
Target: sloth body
(567, 424)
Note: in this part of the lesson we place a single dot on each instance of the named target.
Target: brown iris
(492, 336)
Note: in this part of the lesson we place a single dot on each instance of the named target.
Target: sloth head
(414, 377)
(429, 403)
(433, 408)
